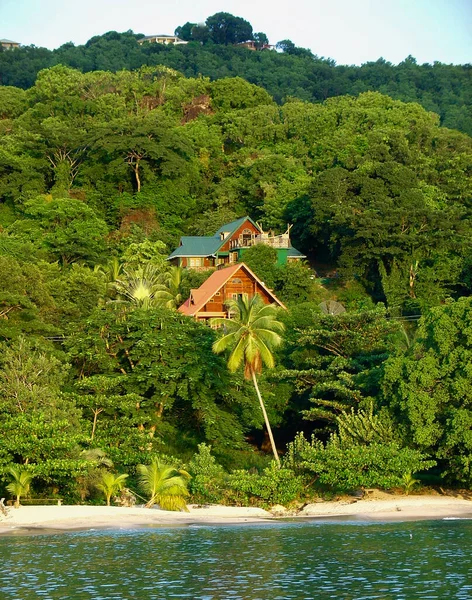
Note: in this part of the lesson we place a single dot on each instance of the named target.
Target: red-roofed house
(209, 300)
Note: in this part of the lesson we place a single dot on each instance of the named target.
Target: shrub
(356, 466)
(274, 486)
(208, 477)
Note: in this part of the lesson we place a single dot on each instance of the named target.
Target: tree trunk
(96, 412)
(266, 419)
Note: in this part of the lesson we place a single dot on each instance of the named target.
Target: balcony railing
(274, 241)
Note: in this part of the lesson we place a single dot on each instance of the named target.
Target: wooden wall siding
(240, 284)
(208, 262)
(246, 225)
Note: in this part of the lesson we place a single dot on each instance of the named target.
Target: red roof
(199, 297)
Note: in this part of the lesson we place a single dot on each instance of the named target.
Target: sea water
(274, 561)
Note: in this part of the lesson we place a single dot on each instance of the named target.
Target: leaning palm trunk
(250, 335)
(266, 418)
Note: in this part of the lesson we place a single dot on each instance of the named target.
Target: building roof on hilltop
(162, 36)
(199, 297)
(5, 41)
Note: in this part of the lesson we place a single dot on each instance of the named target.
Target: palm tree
(252, 334)
(97, 460)
(170, 295)
(165, 485)
(111, 271)
(110, 484)
(20, 486)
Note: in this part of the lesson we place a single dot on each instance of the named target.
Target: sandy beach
(36, 519)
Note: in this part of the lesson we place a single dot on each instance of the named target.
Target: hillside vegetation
(101, 172)
(294, 72)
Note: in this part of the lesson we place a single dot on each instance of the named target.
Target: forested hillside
(101, 172)
(295, 72)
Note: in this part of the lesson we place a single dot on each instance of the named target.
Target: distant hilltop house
(228, 244)
(9, 44)
(251, 45)
(210, 299)
(162, 39)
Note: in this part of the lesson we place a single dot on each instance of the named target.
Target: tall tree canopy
(429, 389)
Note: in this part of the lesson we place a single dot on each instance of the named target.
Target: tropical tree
(225, 28)
(428, 389)
(170, 295)
(139, 287)
(252, 334)
(20, 486)
(110, 484)
(165, 485)
(97, 460)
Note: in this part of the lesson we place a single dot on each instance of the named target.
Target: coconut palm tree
(165, 485)
(251, 334)
(20, 486)
(110, 484)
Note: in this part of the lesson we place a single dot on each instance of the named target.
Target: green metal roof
(231, 227)
(295, 253)
(193, 245)
(196, 246)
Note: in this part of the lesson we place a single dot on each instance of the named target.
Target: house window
(236, 280)
(218, 294)
(196, 262)
(246, 237)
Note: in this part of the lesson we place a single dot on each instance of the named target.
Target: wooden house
(210, 299)
(228, 244)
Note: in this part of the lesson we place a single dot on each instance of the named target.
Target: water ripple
(282, 561)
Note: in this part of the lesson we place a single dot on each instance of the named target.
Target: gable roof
(195, 245)
(213, 284)
(231, 227)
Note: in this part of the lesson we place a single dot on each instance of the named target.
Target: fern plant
(364, 427)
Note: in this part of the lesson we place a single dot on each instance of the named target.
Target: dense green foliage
(429, 388)
(293, 72)
(101, 173)
(347, 468)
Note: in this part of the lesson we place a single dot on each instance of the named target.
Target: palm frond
(161, 482)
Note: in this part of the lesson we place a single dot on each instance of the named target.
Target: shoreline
(31, 520)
